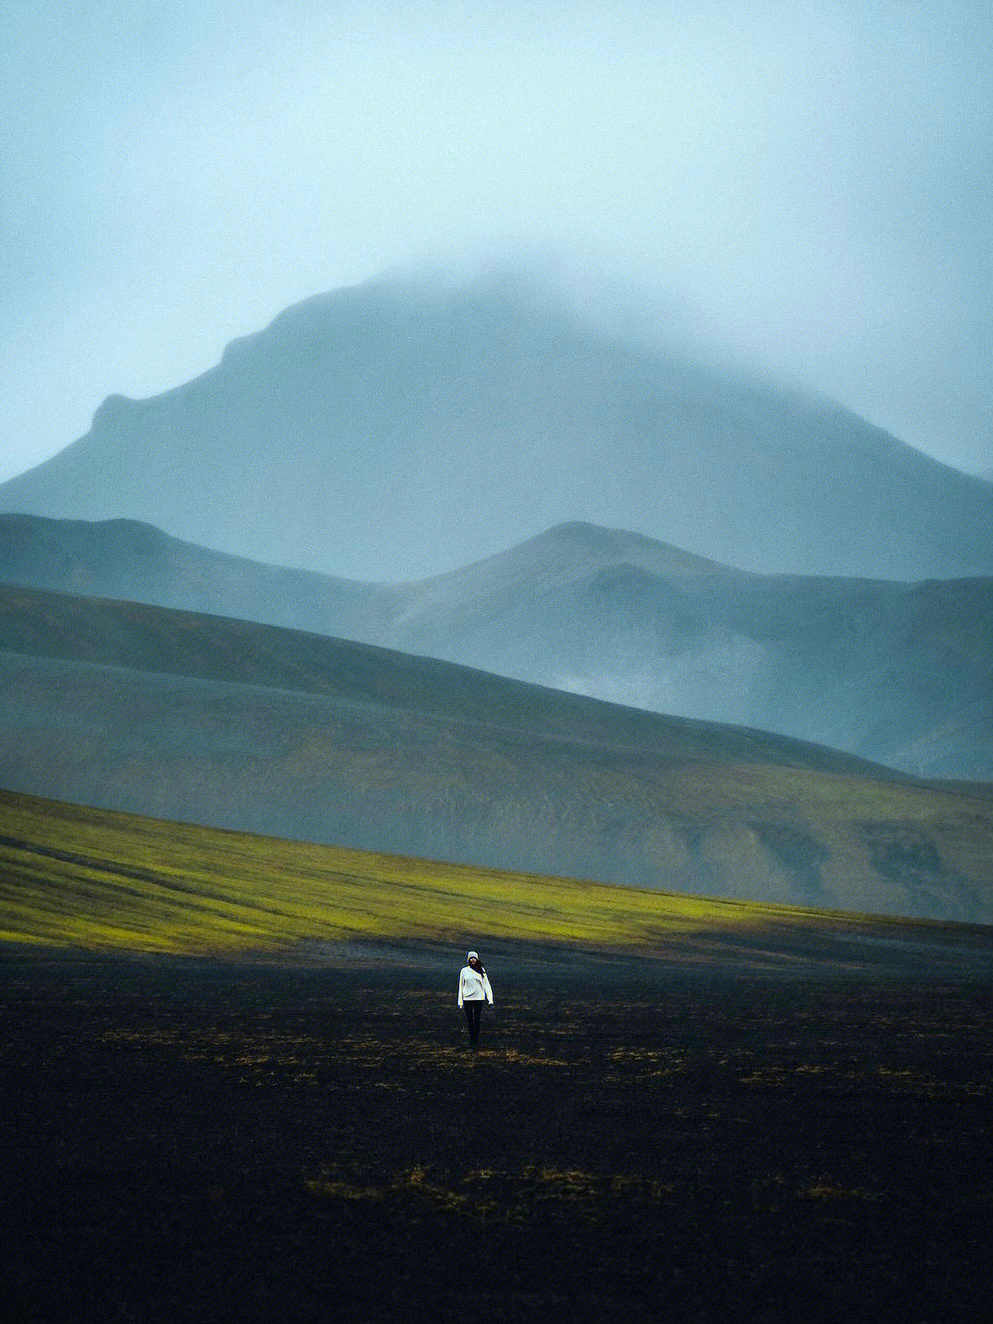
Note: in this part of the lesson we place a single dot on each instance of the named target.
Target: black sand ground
(188, 1141)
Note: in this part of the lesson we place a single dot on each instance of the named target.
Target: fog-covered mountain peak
(396, 430)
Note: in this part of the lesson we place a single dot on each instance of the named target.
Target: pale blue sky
(807, 184)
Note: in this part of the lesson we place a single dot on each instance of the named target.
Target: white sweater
(474, 986)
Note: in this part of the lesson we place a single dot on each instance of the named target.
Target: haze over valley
(900, 673)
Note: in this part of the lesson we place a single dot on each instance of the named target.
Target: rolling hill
(231, 724)
(391, 431)
(898, 673)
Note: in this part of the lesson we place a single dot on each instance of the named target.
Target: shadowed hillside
(898, 673)
(124, 559)
(231, 724)
(391, 431)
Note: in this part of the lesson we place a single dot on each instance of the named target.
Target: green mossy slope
(81, 877)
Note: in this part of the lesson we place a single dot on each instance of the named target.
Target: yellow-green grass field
(72, 876)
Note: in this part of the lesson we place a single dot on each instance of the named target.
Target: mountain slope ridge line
(895, 673)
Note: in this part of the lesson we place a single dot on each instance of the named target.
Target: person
(474, 990)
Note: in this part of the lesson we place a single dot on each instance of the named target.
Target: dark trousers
(473, 1015)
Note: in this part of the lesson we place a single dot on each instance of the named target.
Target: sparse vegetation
(201, 1140)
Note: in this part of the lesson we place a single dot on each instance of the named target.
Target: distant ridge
(898, 673)
(221, 722)
(390, 431)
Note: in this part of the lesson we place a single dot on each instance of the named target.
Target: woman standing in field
(474, 990)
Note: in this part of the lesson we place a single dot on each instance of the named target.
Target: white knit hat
(470, 955)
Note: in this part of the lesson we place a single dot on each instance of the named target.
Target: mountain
(901, 674)
(391, 431)
(231, 724)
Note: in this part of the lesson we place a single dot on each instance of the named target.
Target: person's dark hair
(482, 968)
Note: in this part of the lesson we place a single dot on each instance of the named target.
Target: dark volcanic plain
(772, 1137)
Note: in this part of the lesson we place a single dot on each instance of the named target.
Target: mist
(805, 190)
